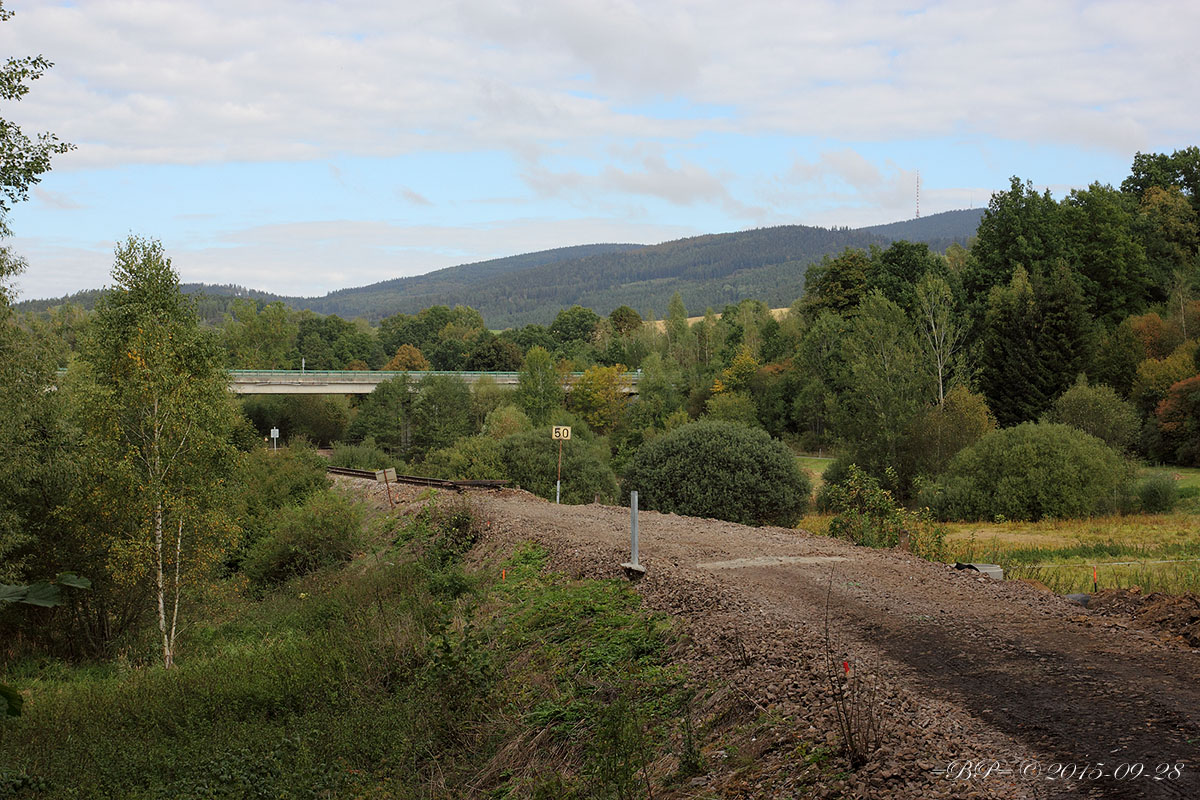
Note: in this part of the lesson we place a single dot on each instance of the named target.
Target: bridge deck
(294, 381)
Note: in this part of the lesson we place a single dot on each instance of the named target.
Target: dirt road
(968, 669)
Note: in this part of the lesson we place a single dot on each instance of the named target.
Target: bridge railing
(371, 376)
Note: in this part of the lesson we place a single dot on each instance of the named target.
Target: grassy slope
(401, 675)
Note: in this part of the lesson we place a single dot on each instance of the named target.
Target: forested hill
(768, 264)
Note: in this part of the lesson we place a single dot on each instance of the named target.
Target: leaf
(73, 580)
(43, 594)
(12, 594)
(10, 701)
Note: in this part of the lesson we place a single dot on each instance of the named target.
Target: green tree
(257, 339)
(22, 159)
(441, 413)
(625, 320)
(732, 407)
(658, 393)
(386, 415)
(158, 415)
(1117, 358)
(1010, 357)
(25, 368)
(1066, 334)
(600, 396)
(490, 353)
(899, 269)
(1020, 228)
(1168, 227)
(1030, 472)
(888, 383)
(1180, 169)
(29, 412)
(539, 386)
(938, 433)
(943, 334)
(574, 325)
(1097, 410)
(838, 284)
(1109, 260)
(531, 462)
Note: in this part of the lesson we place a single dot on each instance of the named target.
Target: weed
(855, 700)
(691, 760)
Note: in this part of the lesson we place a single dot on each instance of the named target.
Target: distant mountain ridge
(768, 264)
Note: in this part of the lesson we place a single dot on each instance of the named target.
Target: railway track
(417, 480)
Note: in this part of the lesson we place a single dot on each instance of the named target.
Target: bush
(732, 407)
(471, 458)
(722, 470)
(504, 421)
(321, 533)
(530, 461)
(1158, 494)
(1030, 472)
(273, 480)
(866, 514)
(367, 454)
(1099, 411)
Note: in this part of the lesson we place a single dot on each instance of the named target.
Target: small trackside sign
(385, 475)
(561, 432)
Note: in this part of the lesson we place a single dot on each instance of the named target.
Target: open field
(1154, 552)
(815, 466)
(1061, 553)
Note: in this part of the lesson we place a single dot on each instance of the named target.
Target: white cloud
(188, 81)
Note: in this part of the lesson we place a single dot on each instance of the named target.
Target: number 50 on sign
(561, 432)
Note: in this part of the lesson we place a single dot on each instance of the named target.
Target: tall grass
(400, 675)
(1172, 567)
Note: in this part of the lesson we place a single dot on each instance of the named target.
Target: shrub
(367, 454)
(505, 421)
(530, 460)
(732, 407)
(722, 470)
(866, 514)
(1158, 494)
(471, 458)
(274, 480)
(1030, 472)
(1099, 411)
(321, 533)
(940, 432)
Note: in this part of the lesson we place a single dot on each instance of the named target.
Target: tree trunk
(160, 586)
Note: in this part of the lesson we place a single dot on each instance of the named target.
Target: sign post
(562, 433)
(385, 476)
(274, 438)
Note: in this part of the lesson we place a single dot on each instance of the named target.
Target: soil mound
(1176, 617)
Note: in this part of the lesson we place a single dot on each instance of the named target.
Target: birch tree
(941, 333)
(160, 415)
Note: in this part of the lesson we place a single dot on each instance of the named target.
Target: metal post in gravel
(632, 568)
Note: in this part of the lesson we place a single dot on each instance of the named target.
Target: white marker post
(274, 438)
(562, 433)
(632, 568)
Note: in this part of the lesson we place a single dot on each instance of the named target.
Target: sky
(300, 146)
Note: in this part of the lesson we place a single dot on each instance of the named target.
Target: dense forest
(768, 264)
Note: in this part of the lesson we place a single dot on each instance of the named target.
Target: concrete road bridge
(294, 381)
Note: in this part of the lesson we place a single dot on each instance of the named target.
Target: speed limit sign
(561, 432)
